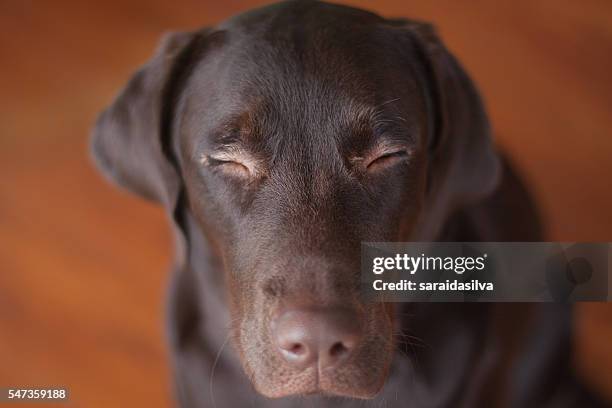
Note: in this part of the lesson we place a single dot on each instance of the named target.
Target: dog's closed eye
(381, 158)
(386, 160)
(231, 167)
(232, 162)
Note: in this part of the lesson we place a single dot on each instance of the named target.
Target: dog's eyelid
(390, 154)
(388, 148)
(394, 152)
(224, 152)
(234, 158)
(386, 156)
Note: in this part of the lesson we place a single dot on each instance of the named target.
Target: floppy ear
(128, 139)
(463, 165)
(130, 142)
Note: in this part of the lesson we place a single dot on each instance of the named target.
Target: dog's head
(293, 133)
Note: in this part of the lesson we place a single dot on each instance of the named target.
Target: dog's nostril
(316, 336)
(297, 349)
(296, 353)
(338, 350)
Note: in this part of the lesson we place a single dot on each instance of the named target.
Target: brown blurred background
(83, 267)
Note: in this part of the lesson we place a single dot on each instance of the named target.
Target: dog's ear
(463, 166)
(128, 139)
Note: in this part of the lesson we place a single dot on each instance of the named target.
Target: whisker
(214, 366)
(387, 102)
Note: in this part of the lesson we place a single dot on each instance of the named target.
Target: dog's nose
(323, 336)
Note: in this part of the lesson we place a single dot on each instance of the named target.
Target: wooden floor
(83, 267)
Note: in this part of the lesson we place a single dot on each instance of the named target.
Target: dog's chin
(323, 388)
(348, 383)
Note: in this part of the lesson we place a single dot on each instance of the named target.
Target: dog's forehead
(290, 13)
(292, 42)
(302, 68)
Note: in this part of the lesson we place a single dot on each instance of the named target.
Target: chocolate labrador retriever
(278, 141)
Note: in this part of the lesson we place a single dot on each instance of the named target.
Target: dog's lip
(318, 391)
(318, 388)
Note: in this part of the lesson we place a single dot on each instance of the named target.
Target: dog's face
(296, 132)
(289, 163)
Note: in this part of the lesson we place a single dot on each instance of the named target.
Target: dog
(278, 141)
